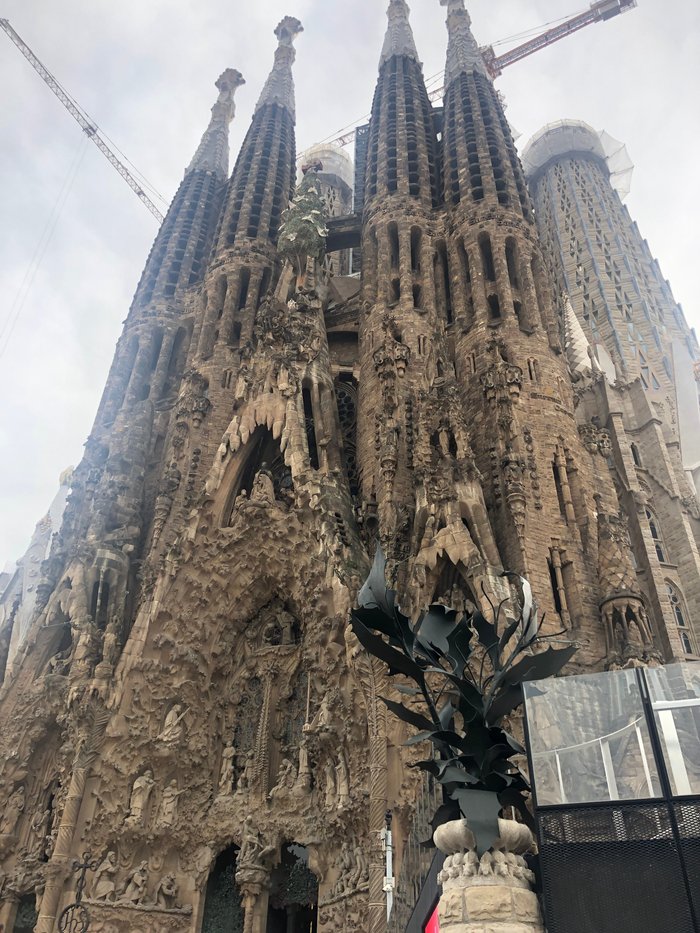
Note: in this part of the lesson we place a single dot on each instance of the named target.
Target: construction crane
(598, 12)
(90, 130)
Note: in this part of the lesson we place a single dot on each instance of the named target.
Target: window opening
(656, 536)
(243, 289)
(680, 618)
(494, 307)
(487, 258)
(444, 270)
(559, 488)
(415, 249)
(310, 428)
(394, 245)
(512, 262)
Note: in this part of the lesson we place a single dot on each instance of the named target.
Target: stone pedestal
(491, 894)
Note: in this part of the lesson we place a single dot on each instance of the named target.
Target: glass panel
(675, 698)
(589, 739)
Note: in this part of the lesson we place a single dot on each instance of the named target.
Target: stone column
(491, 894)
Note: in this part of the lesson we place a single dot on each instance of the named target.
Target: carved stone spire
(462, 51)
(279, 87)
(399, 35)
(212, 154)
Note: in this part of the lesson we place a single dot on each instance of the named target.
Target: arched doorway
(26, 917)
(223, 910)
(293, 904)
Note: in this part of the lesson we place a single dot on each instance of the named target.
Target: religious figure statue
(103, 887)
(168, 805)
(285, 780)
(342, 779)
(329, 774)
(345, 866)
(247, 778)
(171, 733)
(110, 643)
(140, 794)
(227, 770)
(166, 893)
(361, 874)
(15, 809)
(40, 828)
(263, 491)
(136, 882)
(252, 853)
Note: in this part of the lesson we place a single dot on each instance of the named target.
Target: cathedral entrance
(293, 894)
(223, 911)
(26, 918)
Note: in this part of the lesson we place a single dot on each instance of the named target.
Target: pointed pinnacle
(399, 36)
(463, 53)
(212, 153)
(279, 87)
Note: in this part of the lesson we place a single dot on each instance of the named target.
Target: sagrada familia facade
(508, 384)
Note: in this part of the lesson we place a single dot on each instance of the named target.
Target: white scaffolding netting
(574, 136)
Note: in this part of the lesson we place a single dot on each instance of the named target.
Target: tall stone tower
(619, 318)
(189, 703)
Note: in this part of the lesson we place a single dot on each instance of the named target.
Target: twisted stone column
(58, 868)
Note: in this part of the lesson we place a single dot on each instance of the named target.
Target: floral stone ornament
(468, 673)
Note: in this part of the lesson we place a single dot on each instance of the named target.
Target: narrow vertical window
(680, 617)
(656, 536)
(487, 258)
(310, 428)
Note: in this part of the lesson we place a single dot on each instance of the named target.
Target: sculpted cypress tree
(303, 231)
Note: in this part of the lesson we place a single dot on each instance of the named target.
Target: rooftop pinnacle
(462, 51)
(399, 36)
(212, 153)
(279, 87)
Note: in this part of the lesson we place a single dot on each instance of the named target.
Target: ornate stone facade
(189, 703)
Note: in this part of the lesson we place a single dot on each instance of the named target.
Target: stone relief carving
(141, 791)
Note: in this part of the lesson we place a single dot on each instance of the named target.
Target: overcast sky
(144, 70)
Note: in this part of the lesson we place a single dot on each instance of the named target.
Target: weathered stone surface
(189, 702)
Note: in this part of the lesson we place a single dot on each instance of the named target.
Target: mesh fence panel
(616, 868)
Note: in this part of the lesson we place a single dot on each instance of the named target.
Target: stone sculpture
(141, 791)
(103, 886)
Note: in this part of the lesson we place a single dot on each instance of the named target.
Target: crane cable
(8, 326)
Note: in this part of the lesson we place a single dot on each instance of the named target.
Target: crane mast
(88, 128)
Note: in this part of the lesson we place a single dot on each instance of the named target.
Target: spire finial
(212, 153)
(463, 53)
(399, 36)
(279, 87)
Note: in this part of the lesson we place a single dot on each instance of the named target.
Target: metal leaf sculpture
(479, 665)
